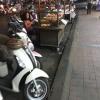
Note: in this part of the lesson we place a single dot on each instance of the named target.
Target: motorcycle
(18, 72)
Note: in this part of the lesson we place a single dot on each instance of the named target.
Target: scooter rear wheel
(32, 93)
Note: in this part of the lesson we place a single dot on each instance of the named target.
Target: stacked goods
(50, 19)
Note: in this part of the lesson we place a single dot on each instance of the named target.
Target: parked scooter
(18, 73)
(18, 31)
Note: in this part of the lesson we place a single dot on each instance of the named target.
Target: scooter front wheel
(39, 92)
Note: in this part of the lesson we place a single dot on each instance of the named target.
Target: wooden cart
(51, 36)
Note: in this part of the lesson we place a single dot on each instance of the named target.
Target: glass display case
(49, 12)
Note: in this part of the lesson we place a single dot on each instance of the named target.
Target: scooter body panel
(36, 73)
(28, 42)
(36, 54)
(22, 55)
(17, 79)
(3, 69)
(25, 39)
(26, 65)
(29, 51)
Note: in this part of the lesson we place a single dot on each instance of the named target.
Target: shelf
(50, 12)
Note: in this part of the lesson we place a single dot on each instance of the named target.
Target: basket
(14, 43)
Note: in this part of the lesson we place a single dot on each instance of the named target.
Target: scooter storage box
(3, 69)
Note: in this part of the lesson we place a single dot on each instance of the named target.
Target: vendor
(28, 20)
(89, 7)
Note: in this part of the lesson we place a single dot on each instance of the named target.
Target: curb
(58, 91)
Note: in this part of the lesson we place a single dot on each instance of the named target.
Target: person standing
(89, 7)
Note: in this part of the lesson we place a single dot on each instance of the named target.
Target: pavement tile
(74, 97)
(97, 70)
(98, 89)
(90, 83)
(85, 76)
(76, 92)
(76, 89)
(98, 78)
(77, 82)
(77, 76)
(98, 75)
(98, 83)
(77, 73)
(89, 76)
(85, 60)
(91, 94)
(80, 69)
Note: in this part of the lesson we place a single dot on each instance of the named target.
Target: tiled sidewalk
(85, 59)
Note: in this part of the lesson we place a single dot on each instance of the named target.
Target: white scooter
(19, 73)
(20, 32)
